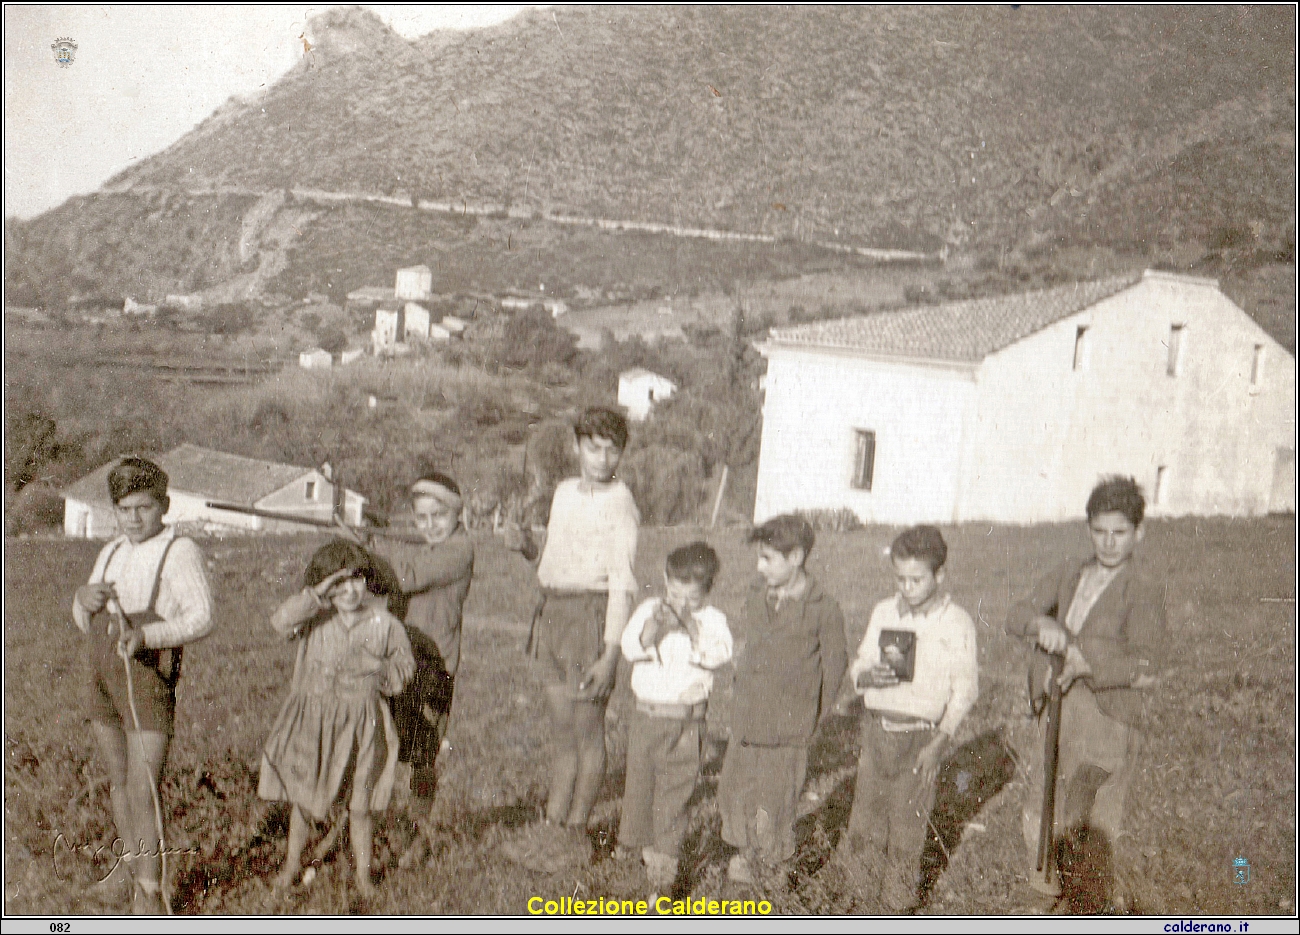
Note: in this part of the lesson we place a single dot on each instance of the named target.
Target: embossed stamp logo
(1241, 871)
(65, 50)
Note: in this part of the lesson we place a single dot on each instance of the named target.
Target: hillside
(1166, 132)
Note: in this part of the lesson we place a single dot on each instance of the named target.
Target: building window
(1161, 492)
(864, 458)
(1257, 369)
(310, 493)
(1177, 344)
(1080, 346)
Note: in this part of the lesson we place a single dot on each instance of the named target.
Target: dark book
(898, 651)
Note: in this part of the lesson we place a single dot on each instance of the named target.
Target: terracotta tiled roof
(969, 330)
(202, 471)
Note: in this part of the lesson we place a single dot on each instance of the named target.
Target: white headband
(428, 488)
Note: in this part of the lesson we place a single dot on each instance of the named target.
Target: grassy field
(1219, 781)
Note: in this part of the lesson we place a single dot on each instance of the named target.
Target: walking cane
(123, 626)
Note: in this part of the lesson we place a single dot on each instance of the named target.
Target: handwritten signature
(117, 850)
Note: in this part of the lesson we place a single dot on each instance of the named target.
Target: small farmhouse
(639, 389)
(1008, 409)
(315, 358)
(414, 284)
(198, 475)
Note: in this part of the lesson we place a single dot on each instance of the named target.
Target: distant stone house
(414, 283)
(388, 329)
(416, 324)
(453, 324)
(518, 303)
(640, 389)
(198, 475)
(315, 358)
(394, 330)
(351, 356)
(185, 303)
(1009, 409)
(131, 307)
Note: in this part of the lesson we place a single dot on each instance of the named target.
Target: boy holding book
(917, 672)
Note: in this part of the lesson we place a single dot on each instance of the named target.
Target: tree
(29, 445)
(331, 337)
(530, 337)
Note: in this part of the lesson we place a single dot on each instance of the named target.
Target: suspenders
(166, 661)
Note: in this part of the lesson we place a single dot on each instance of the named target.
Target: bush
(668, 484)
(29, 445)
(38, 508)
(531, 337)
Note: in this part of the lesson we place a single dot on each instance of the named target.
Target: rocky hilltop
(987, 130)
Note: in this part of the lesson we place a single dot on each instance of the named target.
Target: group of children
(915, 671)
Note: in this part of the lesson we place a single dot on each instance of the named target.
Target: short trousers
(106, 697)
(758, 796)
(568, 634)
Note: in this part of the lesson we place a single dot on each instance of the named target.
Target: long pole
(116, 610)
(717, 502)
(1051, 754)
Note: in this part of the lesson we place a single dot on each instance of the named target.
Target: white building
(639, 389)
(414, 283)
(416, 325)
(1009, 409)
(350, 356)
(316, 358)
(387, 331)
(453, 324)
(199, 475)
(131, 307)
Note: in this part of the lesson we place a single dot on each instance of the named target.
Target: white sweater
(945, 680)
(676, 672)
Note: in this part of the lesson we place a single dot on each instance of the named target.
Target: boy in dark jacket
(788, 669)
(1108, 620)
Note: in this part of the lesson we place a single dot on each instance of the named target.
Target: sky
(144, 76)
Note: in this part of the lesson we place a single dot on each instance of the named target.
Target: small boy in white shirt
(917, 672)
(673, 644)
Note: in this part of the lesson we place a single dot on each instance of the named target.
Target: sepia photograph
(702, 463)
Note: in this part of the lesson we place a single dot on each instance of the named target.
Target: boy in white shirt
(587, 554)
(917, 672)
(673, 644)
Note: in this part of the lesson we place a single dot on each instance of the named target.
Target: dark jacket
(1123, 637)
(435, 580)
(788, 666)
